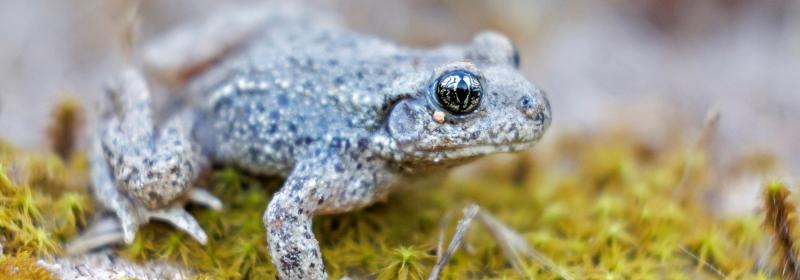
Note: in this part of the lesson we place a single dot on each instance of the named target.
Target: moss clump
(598, 206)
(43, 202)
(236, 247)
(406, 264)
(22, 266)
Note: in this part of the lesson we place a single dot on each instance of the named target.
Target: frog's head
(477, 105)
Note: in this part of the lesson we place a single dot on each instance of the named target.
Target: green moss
(406, 264)
(22, 265)
(39, 208)
(598, 206)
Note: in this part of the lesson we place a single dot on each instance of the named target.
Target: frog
(344, 117)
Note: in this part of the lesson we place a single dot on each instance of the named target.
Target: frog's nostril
(526, 101)
(526, 105)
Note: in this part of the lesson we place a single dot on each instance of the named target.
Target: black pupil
(459, 92)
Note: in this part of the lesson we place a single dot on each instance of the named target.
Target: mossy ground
(599, 206)
(43, 202)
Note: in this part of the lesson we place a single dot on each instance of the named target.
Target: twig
(442, 228)
(130, 33)
(704, 263)
(463, 225)
(515, 247)
(705, 139)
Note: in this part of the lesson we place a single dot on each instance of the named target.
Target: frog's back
(296, 87)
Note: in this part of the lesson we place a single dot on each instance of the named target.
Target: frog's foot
(178, 217)
(130, 218)
(122, 228)
(142, 173)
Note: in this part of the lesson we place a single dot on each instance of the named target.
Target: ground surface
(592, 206)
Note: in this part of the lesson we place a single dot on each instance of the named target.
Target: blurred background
(655, 67)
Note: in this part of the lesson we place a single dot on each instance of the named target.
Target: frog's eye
(459, 92)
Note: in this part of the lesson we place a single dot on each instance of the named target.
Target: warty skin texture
(343, 116)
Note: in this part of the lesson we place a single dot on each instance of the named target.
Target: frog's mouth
(453, 153)
(490, 148)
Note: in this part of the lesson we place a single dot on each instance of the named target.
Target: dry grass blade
(463, 225)
(704, 142)
(130, 35)
(516, 248)
(780, 220)
(703, 262)
(441, 238)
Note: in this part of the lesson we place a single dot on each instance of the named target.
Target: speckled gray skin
(343, 116)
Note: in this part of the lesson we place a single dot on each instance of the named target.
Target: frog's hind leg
(182, 53)
(107, 194)
(141, 174)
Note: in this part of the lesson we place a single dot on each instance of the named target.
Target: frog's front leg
(324, 184)
(140, 173)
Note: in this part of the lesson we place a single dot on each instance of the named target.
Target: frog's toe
(129, 218)
(129, 227)
(104, 232)
(182, 220)
(205, 198)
